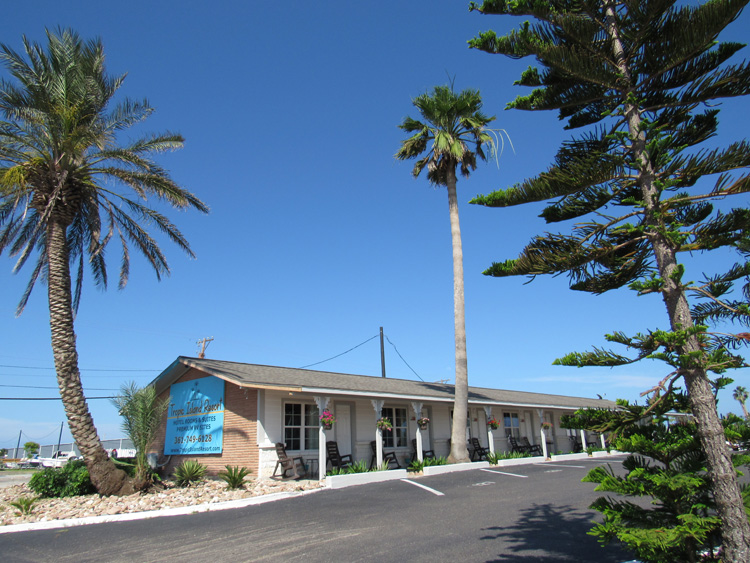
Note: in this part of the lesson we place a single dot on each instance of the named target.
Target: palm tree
(141, 410)
(740, 395)
(454, 124)
(60, 167)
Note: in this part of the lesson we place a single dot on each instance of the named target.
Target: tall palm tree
(456, 128)
(61, 165)
(740, 395)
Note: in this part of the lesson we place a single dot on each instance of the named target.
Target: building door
(343, 428)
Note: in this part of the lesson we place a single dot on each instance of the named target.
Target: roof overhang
(183, 365)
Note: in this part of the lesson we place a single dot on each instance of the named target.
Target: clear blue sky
(316, 235)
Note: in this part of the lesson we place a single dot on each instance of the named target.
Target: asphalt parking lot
(525, 513)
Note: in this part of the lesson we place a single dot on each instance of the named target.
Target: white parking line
(559, 465)
(504, 473)
(433, 491)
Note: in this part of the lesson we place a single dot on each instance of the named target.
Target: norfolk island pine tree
(636, 75)
(59, 161)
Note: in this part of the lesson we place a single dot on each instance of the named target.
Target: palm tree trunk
(105, 477)
(459, 452)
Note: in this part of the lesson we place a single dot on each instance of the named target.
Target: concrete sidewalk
(10, 478)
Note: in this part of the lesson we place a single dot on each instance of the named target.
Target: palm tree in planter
(456, 131)
(740, 395)
(60, 169)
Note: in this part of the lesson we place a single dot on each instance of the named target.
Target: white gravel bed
(209, 491)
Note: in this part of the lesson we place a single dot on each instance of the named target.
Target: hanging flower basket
(493, 423)
(327, 419)
(384, 424)
(546, 426)
(423, 422)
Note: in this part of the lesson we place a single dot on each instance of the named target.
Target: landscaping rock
(172, 496)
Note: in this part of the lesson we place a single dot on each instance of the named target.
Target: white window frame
(398, 436)
(514, 431)
(301, 428)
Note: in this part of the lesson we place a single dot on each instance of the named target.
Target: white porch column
(604, 443)
(322, 403)
(418, 413)
(490, 439)
(583, 440)
(541, 432)
(377, 404)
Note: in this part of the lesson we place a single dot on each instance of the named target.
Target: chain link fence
(123, 446)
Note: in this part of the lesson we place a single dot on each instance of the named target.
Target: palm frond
(60, 155)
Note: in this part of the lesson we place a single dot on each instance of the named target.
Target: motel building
(228, 413)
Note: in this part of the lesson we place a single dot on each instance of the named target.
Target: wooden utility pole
(204, 342)
(382, 352)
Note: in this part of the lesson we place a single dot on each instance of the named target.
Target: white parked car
(58, 459)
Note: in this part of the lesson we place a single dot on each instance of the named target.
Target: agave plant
(234, 477)
(188, 472)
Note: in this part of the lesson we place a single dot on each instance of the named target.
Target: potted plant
(493, 423)
(384, 424)
(327, 419)
(546, 426)
(422, 422)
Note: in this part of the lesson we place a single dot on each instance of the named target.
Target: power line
(52, 375)
(80, 369)
(30, 437)
(46, 398)
(342, 353)
(402, 358)
(49, 387)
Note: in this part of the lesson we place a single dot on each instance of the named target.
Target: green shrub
(435, 461)
(234, 477)
(493, 458)
(358, 467)
(416, 466)
(188, 472)
(71, 480)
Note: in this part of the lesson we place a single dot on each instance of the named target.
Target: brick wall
(240, 430)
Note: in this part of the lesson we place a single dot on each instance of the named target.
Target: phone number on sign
(192, 439)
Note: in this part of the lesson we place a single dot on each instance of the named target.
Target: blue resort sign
(195, 417)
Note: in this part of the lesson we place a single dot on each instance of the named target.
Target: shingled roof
(336, 384)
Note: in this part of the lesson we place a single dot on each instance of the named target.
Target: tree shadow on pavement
(546, 533)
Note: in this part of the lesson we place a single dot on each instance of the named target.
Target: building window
(396, 438)
(512, 426)
(301, 426)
